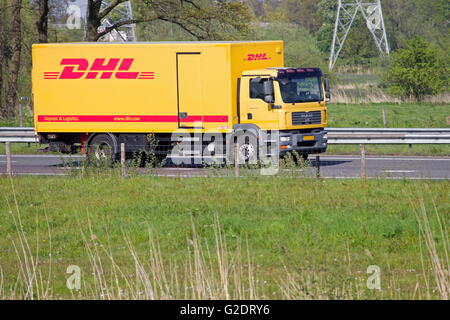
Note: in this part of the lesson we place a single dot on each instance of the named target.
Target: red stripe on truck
(129, 118)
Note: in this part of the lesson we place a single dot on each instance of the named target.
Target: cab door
(190, 89)
(253, 107)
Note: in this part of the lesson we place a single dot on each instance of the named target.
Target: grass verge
(280, 238)
(408, 115)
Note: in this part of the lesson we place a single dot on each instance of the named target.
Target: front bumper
(303, 142)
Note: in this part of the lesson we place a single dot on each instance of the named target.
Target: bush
(416, 71)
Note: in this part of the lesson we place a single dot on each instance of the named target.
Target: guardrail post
(318, 166)
(122, 159)
(20, 115)
(362, 149)
(8, 158)
(236, 159)
(385, 124)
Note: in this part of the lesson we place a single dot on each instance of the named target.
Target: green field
(405, 150)
(398, 115)
(281, 238)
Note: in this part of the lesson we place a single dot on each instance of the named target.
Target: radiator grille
(313, 117)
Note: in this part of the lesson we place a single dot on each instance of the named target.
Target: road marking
(387, 178)
(388, 159)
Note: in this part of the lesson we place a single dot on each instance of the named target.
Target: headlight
(285, 139)
(325, 136)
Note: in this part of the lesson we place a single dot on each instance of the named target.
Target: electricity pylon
(127, 32)
(346, 13)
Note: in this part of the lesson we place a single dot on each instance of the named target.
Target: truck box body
(143, 87)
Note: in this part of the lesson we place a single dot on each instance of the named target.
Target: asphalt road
(330, 166)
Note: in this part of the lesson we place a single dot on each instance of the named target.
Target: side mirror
(269, 99)
(269, 91)
(326, 82)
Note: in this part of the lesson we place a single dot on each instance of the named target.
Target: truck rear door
(190, 90)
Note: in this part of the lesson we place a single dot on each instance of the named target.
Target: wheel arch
(111, 135)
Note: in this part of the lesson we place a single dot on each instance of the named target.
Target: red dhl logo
(257, 56)
(101, 68)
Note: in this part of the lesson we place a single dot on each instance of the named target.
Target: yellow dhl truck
(95, 96)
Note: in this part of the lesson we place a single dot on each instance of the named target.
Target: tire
(102, 148)
(248, 149)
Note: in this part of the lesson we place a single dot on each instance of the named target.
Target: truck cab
(289, 100)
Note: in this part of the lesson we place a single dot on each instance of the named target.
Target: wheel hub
(246, 151)
(103, 152)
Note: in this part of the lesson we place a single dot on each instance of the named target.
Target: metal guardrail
(388, 130)
(388, 135)
(335, 135)
(24, 129)
(17, 134)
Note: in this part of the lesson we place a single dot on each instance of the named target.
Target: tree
(406, 19)
(2, 50)
(300, 46)
(304, 13)
(14, 68)
(257, 6)
(417, 71)
(359, 44)
(199, 18)
(42, 23)
(327, 9)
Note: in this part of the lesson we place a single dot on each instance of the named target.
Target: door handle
(182, 115)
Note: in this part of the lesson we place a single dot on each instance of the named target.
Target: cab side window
(257, 89)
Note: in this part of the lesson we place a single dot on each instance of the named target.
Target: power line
(127, 33)
(346, 14)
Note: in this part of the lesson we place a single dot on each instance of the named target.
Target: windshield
(301, 88)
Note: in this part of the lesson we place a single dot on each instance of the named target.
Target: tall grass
(367, 93)
(359, 84)
(32, 280)
(223, 268)
(205, 273)
(353, 94)
(436, 242)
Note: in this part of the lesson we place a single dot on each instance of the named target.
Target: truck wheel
(101, 149)
(247, 149)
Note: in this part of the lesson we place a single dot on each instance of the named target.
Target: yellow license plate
(305, 138)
